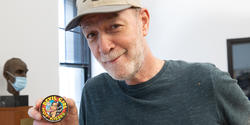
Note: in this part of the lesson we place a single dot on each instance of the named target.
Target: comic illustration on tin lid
(54, 108)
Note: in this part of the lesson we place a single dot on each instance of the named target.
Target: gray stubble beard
(133, 66)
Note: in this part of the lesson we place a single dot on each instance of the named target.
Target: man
(139, 88)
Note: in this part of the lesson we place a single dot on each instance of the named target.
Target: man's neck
(150, 67)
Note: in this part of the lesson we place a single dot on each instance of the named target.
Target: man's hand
(70, 119)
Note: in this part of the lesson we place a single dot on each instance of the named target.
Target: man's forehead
(91, 19)
(18, 67)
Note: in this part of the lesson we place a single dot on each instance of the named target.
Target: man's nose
(105, 43)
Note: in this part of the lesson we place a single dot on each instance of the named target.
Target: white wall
(195, 30)
(29, 31)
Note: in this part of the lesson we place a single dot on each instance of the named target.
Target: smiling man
(117, 40)
(140, 89)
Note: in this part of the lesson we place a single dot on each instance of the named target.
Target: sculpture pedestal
(14, 101)
(15, 116)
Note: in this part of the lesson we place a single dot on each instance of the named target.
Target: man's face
(116, 40)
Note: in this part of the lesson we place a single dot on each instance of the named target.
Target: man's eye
(19, 71)
(115, 26)
(90, 35)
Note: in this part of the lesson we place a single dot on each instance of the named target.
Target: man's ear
(145, 21)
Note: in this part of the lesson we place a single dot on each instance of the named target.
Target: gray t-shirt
(180, 94)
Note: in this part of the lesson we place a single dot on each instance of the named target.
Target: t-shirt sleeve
(233, 105)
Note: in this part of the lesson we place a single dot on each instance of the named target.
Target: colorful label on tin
(54, 108)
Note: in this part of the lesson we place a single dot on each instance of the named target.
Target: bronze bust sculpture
(15, 71)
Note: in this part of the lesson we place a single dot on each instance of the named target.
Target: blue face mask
(20, 82)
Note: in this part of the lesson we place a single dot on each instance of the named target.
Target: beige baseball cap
(85, 7)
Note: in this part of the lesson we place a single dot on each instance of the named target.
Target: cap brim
(103, 9)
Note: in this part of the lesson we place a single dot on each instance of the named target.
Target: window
(239, 62)
(74, 54)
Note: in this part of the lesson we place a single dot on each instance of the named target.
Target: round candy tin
(54, 108)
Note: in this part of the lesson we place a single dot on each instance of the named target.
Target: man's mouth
(113, 60)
